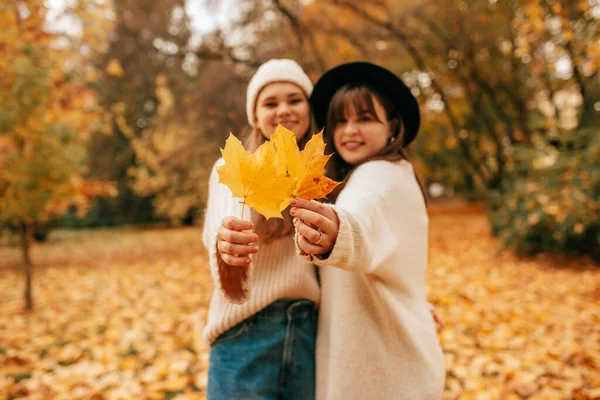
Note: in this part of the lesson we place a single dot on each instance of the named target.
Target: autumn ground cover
(118, 313)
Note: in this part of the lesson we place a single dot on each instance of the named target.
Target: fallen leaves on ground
(119, 313)
(515, 328)
(118, 316)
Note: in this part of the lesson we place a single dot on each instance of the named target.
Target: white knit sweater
(376, 337)
(276, 271)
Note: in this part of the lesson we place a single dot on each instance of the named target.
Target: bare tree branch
(301, 31)
(421, 65)
(296, 26)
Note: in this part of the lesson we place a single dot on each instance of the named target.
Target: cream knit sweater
(276, 271)
(376, 337)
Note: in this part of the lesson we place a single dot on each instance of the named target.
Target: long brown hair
(274, 228)
(360, 96)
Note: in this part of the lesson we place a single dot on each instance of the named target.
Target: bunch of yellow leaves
(276, 172)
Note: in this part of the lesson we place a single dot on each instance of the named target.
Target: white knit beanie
(283, 70)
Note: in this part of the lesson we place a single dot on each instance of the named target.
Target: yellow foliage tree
(46, 114)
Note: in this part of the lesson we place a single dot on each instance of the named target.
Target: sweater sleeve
(231, 280)
(381, 212)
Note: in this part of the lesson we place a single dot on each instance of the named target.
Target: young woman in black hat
(376, 336)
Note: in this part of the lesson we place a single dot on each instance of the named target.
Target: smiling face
(282, 103)
(361, 131)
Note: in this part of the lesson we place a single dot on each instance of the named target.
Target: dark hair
(360, 97)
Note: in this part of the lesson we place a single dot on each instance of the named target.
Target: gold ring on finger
(320, 237)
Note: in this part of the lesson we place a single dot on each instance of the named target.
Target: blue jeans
(270, 355)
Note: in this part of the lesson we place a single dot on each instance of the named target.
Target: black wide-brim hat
(375, 76)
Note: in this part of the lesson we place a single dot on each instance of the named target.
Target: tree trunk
(26, 232)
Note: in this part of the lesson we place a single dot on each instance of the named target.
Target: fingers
(237, 249)
(235, 241)
(310, 218)
(310, 233)
(308, 204)
(320, 221)
(237, 231)
(308, 237)
(244, 238)
(320, 215)
(238, 261)
(314, 206)
(308, 247)
(236, 224)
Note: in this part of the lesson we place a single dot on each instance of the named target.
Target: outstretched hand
(317, 225)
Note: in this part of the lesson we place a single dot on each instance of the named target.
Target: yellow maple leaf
(254, 178)
(288, 153)
(306, 166)
(312, 184)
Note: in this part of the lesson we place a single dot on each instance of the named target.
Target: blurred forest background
(112, 112)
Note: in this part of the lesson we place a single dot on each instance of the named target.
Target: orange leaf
(253, 177)
(313, 184)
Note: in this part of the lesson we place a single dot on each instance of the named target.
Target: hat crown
(373, 75)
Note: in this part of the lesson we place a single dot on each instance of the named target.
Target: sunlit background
(111, 117)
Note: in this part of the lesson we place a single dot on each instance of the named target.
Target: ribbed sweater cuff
(345, 247)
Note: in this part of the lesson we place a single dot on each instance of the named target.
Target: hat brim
(373, 75)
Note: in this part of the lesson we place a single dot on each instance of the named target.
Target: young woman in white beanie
(262, 318)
